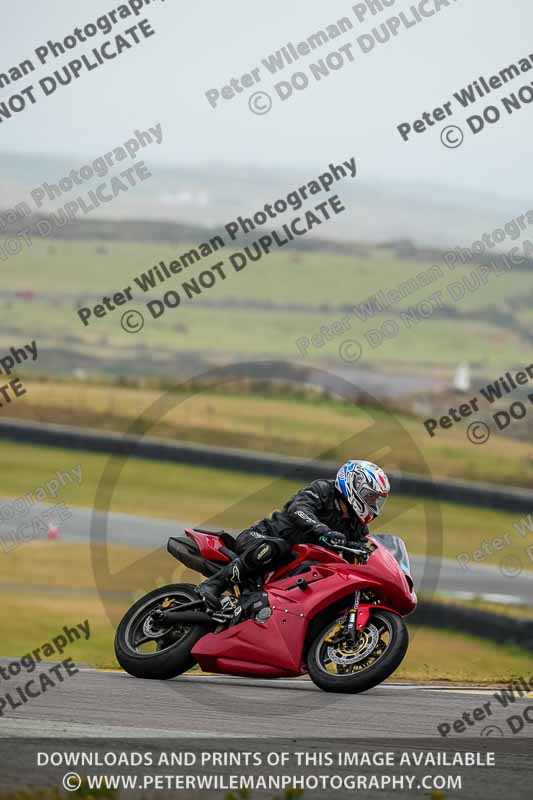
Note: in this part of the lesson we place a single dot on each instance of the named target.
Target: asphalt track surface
(97, 703)
(446, 575)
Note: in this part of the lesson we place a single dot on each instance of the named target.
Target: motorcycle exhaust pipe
(189, 617)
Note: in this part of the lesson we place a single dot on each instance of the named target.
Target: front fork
(357, 617)
(355, 620)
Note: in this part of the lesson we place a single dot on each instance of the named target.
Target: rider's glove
(333, 538)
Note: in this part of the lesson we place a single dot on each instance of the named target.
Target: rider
(328, 511)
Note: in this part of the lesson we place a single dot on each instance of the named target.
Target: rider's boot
(214, 587)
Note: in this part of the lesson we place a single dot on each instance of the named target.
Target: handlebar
(356, 551)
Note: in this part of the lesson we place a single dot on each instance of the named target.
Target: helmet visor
(374, 500)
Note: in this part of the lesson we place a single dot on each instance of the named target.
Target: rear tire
(365, 677)
(175, 643)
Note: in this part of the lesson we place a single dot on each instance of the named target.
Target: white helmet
(365, 486)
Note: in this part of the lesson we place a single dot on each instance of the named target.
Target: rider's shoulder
(321, 487)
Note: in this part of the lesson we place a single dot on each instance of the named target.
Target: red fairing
(253, 649)
(209, 545)
(276, 647)
(382, 574)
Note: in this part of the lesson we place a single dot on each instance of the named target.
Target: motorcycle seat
(227, 539)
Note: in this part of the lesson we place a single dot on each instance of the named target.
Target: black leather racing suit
(312, 512)
(309, 514)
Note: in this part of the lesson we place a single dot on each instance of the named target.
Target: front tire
(340, 666)
(146, 650)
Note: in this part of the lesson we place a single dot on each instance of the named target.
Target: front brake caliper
(337, 630)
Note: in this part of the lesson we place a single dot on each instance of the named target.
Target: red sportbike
(333, 613)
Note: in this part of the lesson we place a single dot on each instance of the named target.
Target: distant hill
(212, 194)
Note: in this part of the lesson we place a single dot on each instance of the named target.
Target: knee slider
(263, 551)
(258, 554)
(279, 549)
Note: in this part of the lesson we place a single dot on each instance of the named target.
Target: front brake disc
(343, 654)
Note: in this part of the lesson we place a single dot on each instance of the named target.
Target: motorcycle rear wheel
(343, 667)
(168, 648)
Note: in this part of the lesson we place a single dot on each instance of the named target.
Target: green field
(64, 274)
(316, 427)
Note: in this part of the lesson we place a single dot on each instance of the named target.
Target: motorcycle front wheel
(337, 664)
(146, 648)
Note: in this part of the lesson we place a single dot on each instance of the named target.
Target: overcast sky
(200, 45)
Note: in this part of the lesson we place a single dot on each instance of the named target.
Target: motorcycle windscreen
(396, 546)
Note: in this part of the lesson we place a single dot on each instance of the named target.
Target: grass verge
(292, 425)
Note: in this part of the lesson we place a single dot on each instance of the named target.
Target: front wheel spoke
(381, 629)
